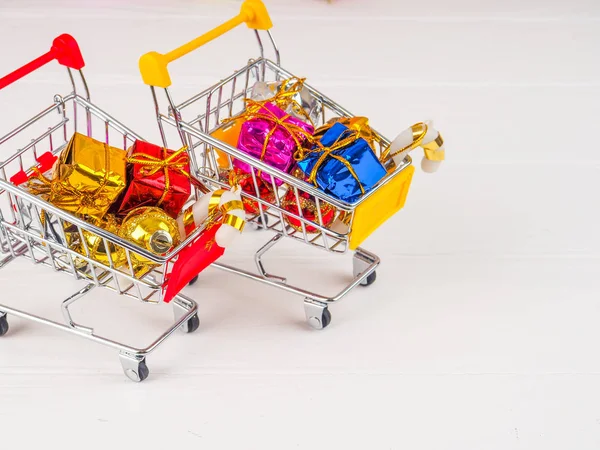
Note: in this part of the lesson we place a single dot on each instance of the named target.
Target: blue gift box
(333, 176)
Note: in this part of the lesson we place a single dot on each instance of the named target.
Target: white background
(481, 331)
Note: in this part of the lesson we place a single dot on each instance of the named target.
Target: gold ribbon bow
(65, 196)
(344, 139)
(177, 161)
(285, 96)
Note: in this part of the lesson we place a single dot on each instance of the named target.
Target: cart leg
(134, 366)
(180, 309)
(69, 301)
(361, 263)
(3, 324)
(317, 314)
(258, 259)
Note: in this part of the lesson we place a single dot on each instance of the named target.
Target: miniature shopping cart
(35, 229)
(198, 118)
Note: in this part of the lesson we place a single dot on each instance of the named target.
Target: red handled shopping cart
(41, 232)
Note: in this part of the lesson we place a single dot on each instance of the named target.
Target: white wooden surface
(481, 330)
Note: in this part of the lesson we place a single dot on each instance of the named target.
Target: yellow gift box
(88, 177)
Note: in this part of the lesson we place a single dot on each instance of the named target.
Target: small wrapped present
(291, 96)
(87, 178)
(271, 135)
(228, 133)
(305, 206)
(342, 164)
(157, 177)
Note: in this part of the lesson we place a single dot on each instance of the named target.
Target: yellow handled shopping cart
(203, 124)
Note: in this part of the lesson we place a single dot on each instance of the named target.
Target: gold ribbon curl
(431, 149)
(226, 219)
(213, 213)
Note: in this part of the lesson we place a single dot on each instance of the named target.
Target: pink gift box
(281, 132)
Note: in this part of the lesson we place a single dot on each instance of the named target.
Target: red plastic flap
(191, 261)
(45, 163)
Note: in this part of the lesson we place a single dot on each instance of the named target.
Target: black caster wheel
(326, 319)
(319, 320)
(3, 325)
(193, 281)
(138, 372)
(193, 324)
(143, 371)
(260, 224)
(369, 280)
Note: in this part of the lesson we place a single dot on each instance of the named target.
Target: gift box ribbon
(65, 196)
(257, 110)
(285, 96)
(177, 161)
(346, 138)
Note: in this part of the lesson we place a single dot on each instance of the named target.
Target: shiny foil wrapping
(153, 230)
(272, 136)
(291, 96)
(158, 177)
(348, 180)
(307, 205)
(228, 133)
(99, 250)
(87, 178)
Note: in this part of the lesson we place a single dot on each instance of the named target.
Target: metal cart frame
(24, 233)
(196, 118)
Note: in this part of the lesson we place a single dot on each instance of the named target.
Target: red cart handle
(64, 49)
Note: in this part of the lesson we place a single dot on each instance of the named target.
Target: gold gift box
(91, 175)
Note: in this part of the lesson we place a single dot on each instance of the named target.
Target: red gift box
(157, 177)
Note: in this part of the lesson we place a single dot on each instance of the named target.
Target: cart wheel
(318, 323)
(193, 281)
(140, 373)
(326, 317)
(259, 222)
(193, 324)
(369, 280)
(3, 325)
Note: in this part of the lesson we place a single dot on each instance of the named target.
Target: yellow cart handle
(153, 65)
